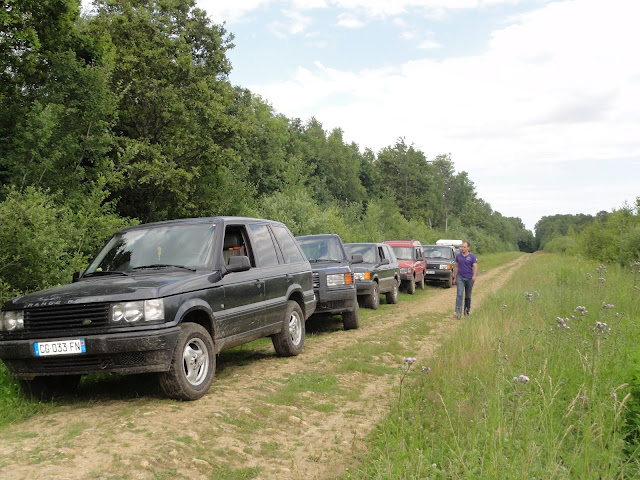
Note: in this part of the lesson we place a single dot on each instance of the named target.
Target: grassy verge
(536, 384)
(493, 260)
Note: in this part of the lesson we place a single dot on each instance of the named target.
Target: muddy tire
(411, 287)
(351, 320)
(46, 388)
(449, 282)
(290, 340)
(421, 284)
(392, 296)
(372, 301)
(193, 364)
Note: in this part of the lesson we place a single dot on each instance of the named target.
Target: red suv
(412, 262)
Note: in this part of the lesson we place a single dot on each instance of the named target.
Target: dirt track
(235, 425)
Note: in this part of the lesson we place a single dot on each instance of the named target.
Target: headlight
(132, 312)
(362, 276)
(11, 320)
(406, 270)
(337, 280)
(445, 267)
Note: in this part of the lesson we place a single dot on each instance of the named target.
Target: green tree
(175, 154)
(56, 109)
(333, 166)
(403, 174)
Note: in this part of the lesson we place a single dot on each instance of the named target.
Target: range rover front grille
(66, 317)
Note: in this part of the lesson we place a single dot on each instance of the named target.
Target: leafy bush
(43, 242)
(565, 244)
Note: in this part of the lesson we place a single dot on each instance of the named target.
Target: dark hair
(468, 244)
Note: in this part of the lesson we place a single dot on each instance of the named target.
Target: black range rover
(440, 262)
(163, 297)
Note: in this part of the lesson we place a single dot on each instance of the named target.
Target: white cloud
(349, 21)
(428, 44)
(296, 23)
(308, 4)
(231, 10)
(356, 10)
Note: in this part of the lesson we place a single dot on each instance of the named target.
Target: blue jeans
(463, 285)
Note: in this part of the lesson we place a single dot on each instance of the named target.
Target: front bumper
(365, 287)
(438, 274)
(405, 277)
(125, 353)
(336, 301)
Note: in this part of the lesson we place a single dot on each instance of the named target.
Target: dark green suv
(163, 297)
(378, 273)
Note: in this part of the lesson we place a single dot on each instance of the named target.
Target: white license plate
(63, 347)
(430, 272)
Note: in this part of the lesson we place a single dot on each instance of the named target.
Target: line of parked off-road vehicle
(167, 297)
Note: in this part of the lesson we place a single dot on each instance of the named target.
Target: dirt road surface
(237, 425)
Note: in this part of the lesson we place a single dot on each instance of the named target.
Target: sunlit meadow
(542, 381)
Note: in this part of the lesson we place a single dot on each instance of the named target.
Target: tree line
(127, 115)
(607, 237)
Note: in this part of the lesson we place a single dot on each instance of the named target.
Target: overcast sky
(538, 100)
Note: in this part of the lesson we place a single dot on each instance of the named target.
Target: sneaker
(456, 315)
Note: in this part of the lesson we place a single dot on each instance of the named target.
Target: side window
(381, 253)
(235, 244)
(288, 245)
(389, 254)
(263, 245)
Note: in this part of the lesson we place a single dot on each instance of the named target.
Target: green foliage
(302, 215)
(175, 128)
(42, 241)
(559, 225)
(566, 244)
(608, 238)
(55, 106)
(37, 247)
(403, 172)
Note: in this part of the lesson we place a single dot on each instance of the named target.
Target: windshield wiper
(105, 272)
(162, 265)
(315, 260)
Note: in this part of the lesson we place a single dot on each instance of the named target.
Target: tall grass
(536, 384)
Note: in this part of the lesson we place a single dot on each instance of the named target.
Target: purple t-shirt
(465, 264)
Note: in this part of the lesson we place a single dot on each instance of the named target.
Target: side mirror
(384, 261)
(76, 276)
(356, 258)
(238, 264)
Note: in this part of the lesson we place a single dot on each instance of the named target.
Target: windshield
(437, 252)
(404, 253)
(367, 251)
(322, 248)
(174, 245)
